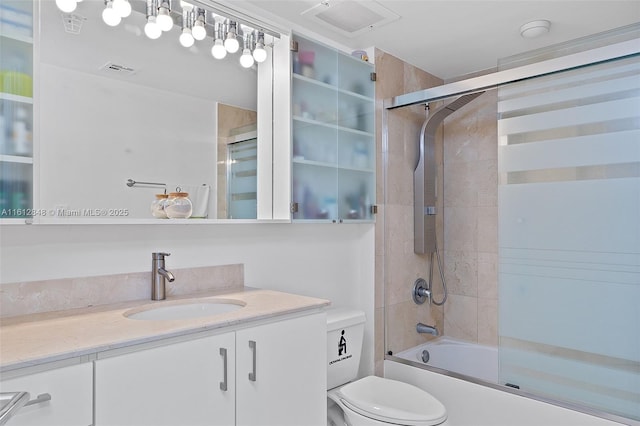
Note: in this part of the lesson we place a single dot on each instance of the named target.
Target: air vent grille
(350, 18)
(112, 68)
(72, 22)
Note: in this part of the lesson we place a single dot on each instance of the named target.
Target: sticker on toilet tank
(342, 350)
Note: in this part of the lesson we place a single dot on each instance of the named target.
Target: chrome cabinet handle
(223, 383)
(43, 397)
(252, 375)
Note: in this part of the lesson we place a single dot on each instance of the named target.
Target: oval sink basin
(184, 311)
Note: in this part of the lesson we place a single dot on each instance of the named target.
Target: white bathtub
(460, 357)
(474, 404)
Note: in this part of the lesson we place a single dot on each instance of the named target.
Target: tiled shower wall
(471, 221)
(397, 267)
(466, 217)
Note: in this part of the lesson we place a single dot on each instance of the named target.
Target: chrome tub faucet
(159, 276)
(426, 329)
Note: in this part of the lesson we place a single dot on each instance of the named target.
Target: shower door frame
(486, 82)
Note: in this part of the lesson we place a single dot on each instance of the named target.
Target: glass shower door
(569, 236)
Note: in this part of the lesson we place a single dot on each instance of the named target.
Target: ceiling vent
(112, 68)
(350, 18)
(72, 22)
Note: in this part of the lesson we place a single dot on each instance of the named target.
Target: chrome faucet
(159, 275)
(426, 329)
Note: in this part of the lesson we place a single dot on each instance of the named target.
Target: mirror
(116, 107)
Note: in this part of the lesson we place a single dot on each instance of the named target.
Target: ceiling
(454, 38)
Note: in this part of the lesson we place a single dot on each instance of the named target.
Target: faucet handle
(160, 255)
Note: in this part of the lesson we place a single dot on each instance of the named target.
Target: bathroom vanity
(261, 364)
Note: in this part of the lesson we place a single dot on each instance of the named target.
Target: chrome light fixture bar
(229, 29)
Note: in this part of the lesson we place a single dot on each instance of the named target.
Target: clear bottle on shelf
(179, 206)
(158, 205)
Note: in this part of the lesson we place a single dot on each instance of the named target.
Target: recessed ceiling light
(535, 28)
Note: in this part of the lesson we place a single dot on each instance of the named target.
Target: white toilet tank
(345, 331)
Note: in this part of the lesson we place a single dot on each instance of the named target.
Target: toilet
(371, 400)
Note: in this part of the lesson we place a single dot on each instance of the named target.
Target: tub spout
(426, 329)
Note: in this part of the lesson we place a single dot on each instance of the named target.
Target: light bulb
(246, 60)
(259, 54)
(186, 39)
(151, 29)
(198, 31)
(218, 51)
(231, 43)
(164, 20)
(67, 6)
(123, 7)
(110, 16)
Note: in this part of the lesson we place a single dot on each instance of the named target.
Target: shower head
(424, 177)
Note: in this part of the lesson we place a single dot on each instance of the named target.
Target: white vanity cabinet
(281, 373)
(179, 384)
(71, 392)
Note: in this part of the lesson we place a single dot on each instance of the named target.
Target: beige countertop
(31, 340)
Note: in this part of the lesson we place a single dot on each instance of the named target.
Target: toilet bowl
(371, 400)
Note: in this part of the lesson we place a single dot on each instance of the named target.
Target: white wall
(329, 261)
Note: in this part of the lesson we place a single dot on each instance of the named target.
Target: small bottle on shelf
(179, 206)
(22, 142)
(158, 205)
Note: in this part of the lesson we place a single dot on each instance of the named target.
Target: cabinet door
(71, 391)
(333, 134)
(178, 384)
(16, 108)
(281, 376)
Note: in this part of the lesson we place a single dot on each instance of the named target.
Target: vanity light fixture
(164, 19)
(110, 15)
(259, 53)
(151, 28)
(246, 60)
(228, 30)
(218, 51)
(186, 37)
(199, 31)
(123, 7)
(67, 6)
(231, 42)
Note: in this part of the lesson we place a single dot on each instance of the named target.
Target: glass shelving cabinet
(16, 108)
(333, 128)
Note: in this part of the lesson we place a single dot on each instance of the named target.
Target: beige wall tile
(461, 272)
(488, 275)
(460, 229)
(488, 322)
(461, 317)
(487, 229)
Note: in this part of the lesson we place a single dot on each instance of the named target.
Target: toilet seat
(392, 402)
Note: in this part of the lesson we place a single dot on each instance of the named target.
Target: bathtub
(469, 359)
(464, 377)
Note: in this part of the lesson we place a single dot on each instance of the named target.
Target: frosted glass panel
(569, 236)
(242, 180)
